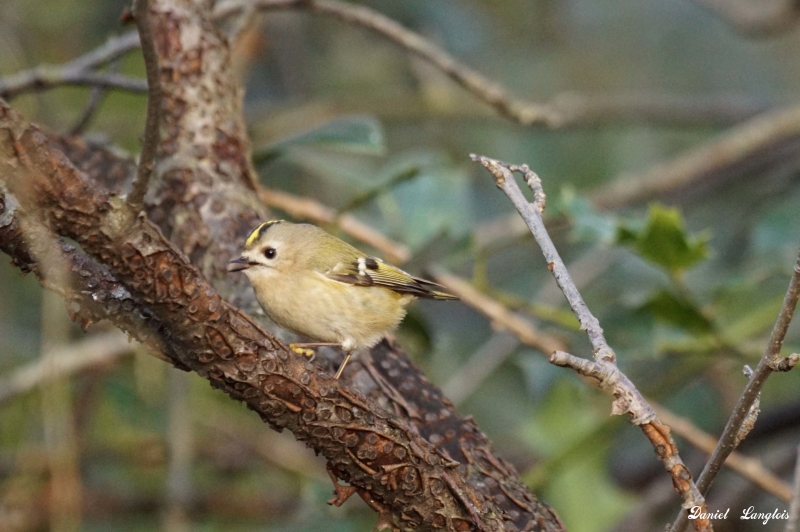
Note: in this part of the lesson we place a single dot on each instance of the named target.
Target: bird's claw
(310, 353)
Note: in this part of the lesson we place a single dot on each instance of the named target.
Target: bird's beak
(237, 265)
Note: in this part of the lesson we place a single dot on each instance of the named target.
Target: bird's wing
(369, 271)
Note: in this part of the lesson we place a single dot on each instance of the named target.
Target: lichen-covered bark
(204, 198)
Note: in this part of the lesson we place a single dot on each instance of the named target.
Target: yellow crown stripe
(256, 233)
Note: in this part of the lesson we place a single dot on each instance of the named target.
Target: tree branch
(204, 202)
(92, 352)
(774, 135)
(44, 78)
(500, 316)
(603, 369)
(770, 361)
(567, 110)
(364, 445)
(793, 523)
(750, 468)
(152, 124)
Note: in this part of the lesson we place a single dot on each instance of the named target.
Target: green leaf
(352, 134)
(664, 240)
(678, 311)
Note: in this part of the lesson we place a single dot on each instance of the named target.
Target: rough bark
(423, 465)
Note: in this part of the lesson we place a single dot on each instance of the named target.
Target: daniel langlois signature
(747, 513)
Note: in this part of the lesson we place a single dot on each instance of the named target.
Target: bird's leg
(344, 363)
(302, 348)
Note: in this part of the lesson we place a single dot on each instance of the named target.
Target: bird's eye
(270, 253)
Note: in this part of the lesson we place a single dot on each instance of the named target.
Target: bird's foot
(306, 352)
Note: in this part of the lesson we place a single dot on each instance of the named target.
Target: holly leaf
(664, 240)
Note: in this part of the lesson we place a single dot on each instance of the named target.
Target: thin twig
(793, 524)
(500, 316)
(482, 363)
(713, 159)
(151, 128)
(96, 97)
(302, 208)
(113, 48)
(92, 352)
(568, 109)
(179, 441)
(44, 78)
(770, 361)
(603, 368)
(79, 71)
(58, 424)
(750, 468)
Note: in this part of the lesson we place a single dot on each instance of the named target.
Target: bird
(314, 284)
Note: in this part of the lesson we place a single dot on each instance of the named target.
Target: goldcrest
(316, 285)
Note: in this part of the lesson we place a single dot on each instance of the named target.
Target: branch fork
(603, 369)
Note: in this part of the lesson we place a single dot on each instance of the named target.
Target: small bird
(316, 285)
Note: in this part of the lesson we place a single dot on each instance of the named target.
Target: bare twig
(770, 360)
(568, 109)
(151, 127)
(603, 369)
(793, 524)
(500, 316)
(302, 208)
(711, 160)
(479, 366)
(96, 97)
(750, 468)
(45, 79)
(78, 71)
(58, 420)
(94, 351)
(113, 48)
(179, 439)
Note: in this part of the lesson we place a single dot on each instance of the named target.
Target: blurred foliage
(342, 116)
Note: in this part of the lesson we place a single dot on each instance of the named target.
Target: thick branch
(365, 445)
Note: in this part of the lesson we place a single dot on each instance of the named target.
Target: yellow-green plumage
(319, 286)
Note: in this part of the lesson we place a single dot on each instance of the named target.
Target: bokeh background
(686, 285)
